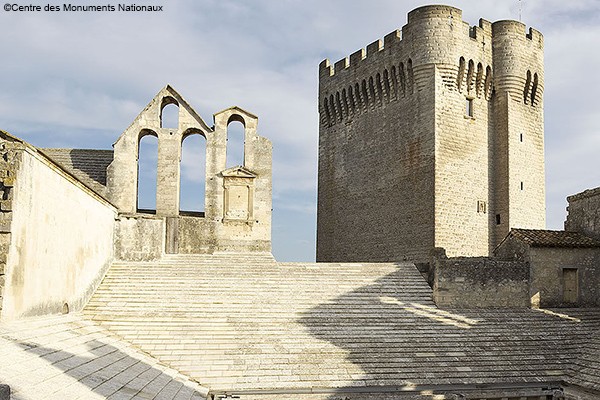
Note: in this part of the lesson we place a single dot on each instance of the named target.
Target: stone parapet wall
(584, 213)
(56, 238)
(480, 282)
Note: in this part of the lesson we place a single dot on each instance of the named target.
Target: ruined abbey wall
(432, 137)
(237, 200)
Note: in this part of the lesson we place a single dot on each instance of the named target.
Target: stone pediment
(238, 172)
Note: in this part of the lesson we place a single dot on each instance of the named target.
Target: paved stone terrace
(243, 323)
(235, 323)
(69, 357)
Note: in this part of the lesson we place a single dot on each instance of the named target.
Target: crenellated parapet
(518, 61)
(473, 60)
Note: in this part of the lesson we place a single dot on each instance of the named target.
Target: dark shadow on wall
(108, 371)
(402, 341)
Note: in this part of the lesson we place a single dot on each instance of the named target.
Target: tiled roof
(89, 166)
(586, 368)
(546, 238)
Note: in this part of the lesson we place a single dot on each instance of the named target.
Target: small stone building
(530, 268)
(564, 266)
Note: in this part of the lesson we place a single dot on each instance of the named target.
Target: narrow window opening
(469, 107)
(521, 137)
(193, 174)
(497, 219)
(147, 167)
(521, 185)
(235, 142)
(169, 116)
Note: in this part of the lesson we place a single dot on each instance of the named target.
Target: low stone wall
(139, 238)
(60, 235)
(480, 282)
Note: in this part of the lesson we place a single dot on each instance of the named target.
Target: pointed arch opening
(236, 132)
(327, 120)
(461, 73)
(479, 80)
(470, 76)
(534, 88)
(526, 89)
(192, 185)
(488, 82)
(411, 76)
(147, 171)
(169, 113)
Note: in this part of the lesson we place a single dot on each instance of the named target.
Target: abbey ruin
(438, 280)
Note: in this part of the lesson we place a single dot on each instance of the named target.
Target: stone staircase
(243, 320)
(244, 323)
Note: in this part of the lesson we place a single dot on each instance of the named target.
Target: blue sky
(79, 79)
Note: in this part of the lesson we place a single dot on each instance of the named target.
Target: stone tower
(431, 138)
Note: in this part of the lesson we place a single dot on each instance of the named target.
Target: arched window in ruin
(147, 165)
(235, 141)
(192, 172)
(169, 113)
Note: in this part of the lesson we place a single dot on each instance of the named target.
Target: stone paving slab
(69, 357)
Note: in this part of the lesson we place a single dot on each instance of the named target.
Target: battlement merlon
(425, 19)
(518, 30)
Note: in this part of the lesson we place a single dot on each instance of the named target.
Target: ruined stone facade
(237, 214)
(432, 137)
(67, 214)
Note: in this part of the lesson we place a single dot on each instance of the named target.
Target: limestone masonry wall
(480, 282)
(432, 137)
(61, 236)
(584, 213)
